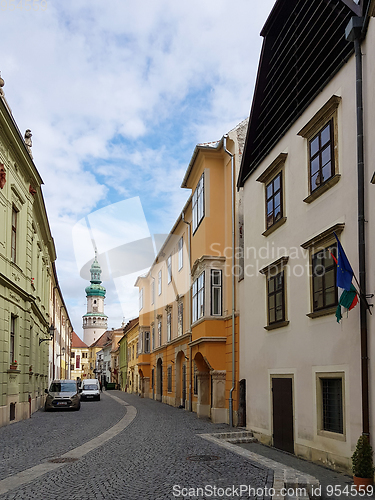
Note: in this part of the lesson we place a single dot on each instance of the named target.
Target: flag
(347, 293)
(345, 272)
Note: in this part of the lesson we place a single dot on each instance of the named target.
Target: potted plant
(13, 365)
(362, 464)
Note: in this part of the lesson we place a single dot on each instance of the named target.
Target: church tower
(94, 321)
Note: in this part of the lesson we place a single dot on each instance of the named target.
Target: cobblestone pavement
(157, 455)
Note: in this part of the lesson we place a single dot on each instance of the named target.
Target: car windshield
(89, 387)
(63, 387)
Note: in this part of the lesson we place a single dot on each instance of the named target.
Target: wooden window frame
(318, 155)
(315, 276)
(273, 278)
(169, 268)
(272, 198)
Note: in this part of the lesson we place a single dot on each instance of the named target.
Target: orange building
(188, 319)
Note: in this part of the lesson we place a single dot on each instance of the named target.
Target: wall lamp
(62, 352)
(51, 334)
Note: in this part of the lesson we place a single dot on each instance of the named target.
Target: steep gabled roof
(77, 343)
(103, 340)
(303, 48)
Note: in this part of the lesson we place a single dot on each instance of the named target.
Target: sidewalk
(328, 478)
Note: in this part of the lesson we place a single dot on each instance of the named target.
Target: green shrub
(362, 461)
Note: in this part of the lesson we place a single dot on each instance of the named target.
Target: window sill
(274, 226)
(323, 188)
(332, 435)
(13, 370)
(274, 326)
(323, 312)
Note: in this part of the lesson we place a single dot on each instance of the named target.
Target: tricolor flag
(348, 297)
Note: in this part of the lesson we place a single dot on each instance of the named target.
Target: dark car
(63, 394)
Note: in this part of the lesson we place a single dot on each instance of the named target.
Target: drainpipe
(233, 285)
(189, 323)
(353, 34)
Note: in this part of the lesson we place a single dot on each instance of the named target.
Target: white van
(90, 389)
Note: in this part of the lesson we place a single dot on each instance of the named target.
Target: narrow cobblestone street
(154, 457)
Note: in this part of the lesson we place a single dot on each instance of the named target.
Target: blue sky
(117, 94)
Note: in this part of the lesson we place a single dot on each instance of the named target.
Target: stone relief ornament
(2, 176)
(28, 141)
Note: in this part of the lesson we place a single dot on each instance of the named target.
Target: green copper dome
(95, 289)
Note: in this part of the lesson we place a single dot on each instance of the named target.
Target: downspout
(353, 33)
(233, 286)
(189, 323)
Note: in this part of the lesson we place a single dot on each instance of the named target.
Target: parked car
(90, 389)
(63, 394)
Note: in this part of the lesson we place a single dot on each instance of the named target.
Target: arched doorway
(159, 380)
(181, 380)
(204, 387)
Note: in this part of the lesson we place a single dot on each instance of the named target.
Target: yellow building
(186, 299)
(79, 364)
(133, 383)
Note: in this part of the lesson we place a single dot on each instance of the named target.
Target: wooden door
(282, 402)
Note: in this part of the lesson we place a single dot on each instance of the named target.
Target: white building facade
(301, 367)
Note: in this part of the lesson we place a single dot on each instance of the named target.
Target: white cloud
(117, 94)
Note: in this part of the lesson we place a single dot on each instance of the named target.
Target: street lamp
(51, 331)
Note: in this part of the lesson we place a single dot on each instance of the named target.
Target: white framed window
(331, 404)
(216, 292)
(180, 323)
(152, 292)
(198, 297)
(141, 299)
(152, 336)
(169, 268)
(159, 282)
(180, 253)
(147, 342)
(169, 326)
(159, 332)
(198, 203)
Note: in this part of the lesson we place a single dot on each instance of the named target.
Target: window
(324, 279)
(159, 332)
(274, 202)
(276, 298)
(72, 354)
(78, 362)
(322, 165)
(169, 379)
(198, 297)
(169, 267)
(152, 336)
(180, 253)
(332, 407)
(12, 338)
(216, 300)
(159, 282)
(147, 342)
(141, 299)
(169, 326)
(152, 291)
(198, 204)
(180, 324)
(71, 368)
(14, 234)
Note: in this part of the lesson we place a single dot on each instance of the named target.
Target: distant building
(79, 358)
(94, 321)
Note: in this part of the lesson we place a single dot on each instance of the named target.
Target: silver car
(63, 394)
